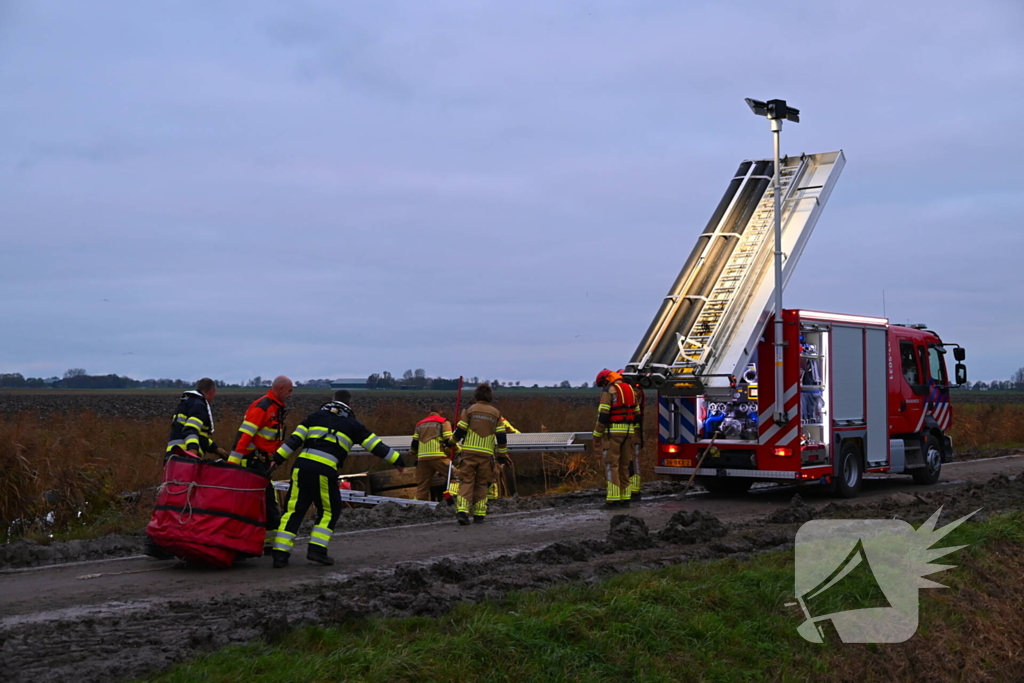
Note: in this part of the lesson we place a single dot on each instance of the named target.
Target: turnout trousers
(474, 480)
(425, 469)
(314, 484)
(634, 467)
(618, 455)
(256, 464)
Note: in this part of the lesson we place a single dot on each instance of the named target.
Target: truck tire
(725, 487)
(851, 470)
(929, 474)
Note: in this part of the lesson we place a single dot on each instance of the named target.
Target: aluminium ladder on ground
(538, 442)
(712, 317)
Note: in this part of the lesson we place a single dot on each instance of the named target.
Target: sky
(502, 190)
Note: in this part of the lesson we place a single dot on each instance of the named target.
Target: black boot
(318, 554)
(478, 519)
(280, 559)
(156, 552)
(463, 518)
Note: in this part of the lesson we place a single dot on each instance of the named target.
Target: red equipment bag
(209, 511)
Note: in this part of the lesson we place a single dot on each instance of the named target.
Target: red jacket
(262, 429)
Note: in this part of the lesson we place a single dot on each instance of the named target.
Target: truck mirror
(960, 353)
(960, 370)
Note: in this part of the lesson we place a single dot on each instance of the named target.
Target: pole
(780, 416)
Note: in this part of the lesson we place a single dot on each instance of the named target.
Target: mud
(27, 553)
(122, 643)
(687, 527)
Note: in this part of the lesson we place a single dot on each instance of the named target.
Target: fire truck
(858, 394)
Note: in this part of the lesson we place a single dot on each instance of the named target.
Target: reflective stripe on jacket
(262, 429)
(431, 434)
(619, 411)
(327, 438)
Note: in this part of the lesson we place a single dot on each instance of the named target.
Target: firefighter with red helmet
(258, 438)
(618, 416)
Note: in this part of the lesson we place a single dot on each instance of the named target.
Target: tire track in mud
(133, 640)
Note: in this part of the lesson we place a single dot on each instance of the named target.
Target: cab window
(909, 360)
(936, 365)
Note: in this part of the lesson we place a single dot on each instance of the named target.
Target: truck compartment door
(848, 376)
(877, 398)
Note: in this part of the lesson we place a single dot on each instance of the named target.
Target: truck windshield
(936, 364)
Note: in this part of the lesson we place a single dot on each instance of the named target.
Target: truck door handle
(903, 405)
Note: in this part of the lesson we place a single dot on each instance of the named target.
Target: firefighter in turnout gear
(499, 470)
(259, 437)
(322, 442)
(615, 433)
(192, 425)
(432, 434)
(481, 432)
(191, 436)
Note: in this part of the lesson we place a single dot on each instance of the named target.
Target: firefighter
(433, 433)
(259, 436)
(638, 446)
(615, 434)
(481, 432)
(192, 425)
(322, 441)
(191, 436)
(499, 470)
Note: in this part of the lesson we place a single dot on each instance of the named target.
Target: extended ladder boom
(705, 331)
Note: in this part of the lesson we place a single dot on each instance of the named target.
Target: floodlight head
(758, 107)
(777, 109)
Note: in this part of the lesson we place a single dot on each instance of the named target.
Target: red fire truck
(859, 394)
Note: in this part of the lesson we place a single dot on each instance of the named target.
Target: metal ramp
(707, 328)
(537, 442)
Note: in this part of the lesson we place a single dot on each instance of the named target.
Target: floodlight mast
(776, 111)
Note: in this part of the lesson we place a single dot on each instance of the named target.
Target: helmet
(338, 408)
(606, 376)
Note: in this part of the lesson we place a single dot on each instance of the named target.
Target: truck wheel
(725, 487)
(851, 470)
(929, 474)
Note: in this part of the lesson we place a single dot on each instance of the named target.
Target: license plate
(678, 462)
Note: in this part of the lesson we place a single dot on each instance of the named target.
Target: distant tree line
(1015, 383)
(78, 378)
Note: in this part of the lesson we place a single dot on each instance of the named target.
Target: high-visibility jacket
(262, 429)
(326, 438)
(481, 430)
(431, 434)
(509, 429)
(192, 425)
(619, 411)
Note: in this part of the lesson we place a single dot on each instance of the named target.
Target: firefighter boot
(478, 519)
(280, 559)
(318, 553)
(463, 518)
(156, 552)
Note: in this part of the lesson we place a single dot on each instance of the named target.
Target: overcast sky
(329, 189)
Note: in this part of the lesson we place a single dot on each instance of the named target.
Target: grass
(987, 425)
(718, 621)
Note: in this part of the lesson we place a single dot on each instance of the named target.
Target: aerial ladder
(706, 331)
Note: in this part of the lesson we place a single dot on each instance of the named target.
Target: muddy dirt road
(125, 617)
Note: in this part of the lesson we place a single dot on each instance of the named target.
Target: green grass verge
(716, 621)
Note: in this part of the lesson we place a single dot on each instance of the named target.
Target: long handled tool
(451, 460)
(700, 462)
